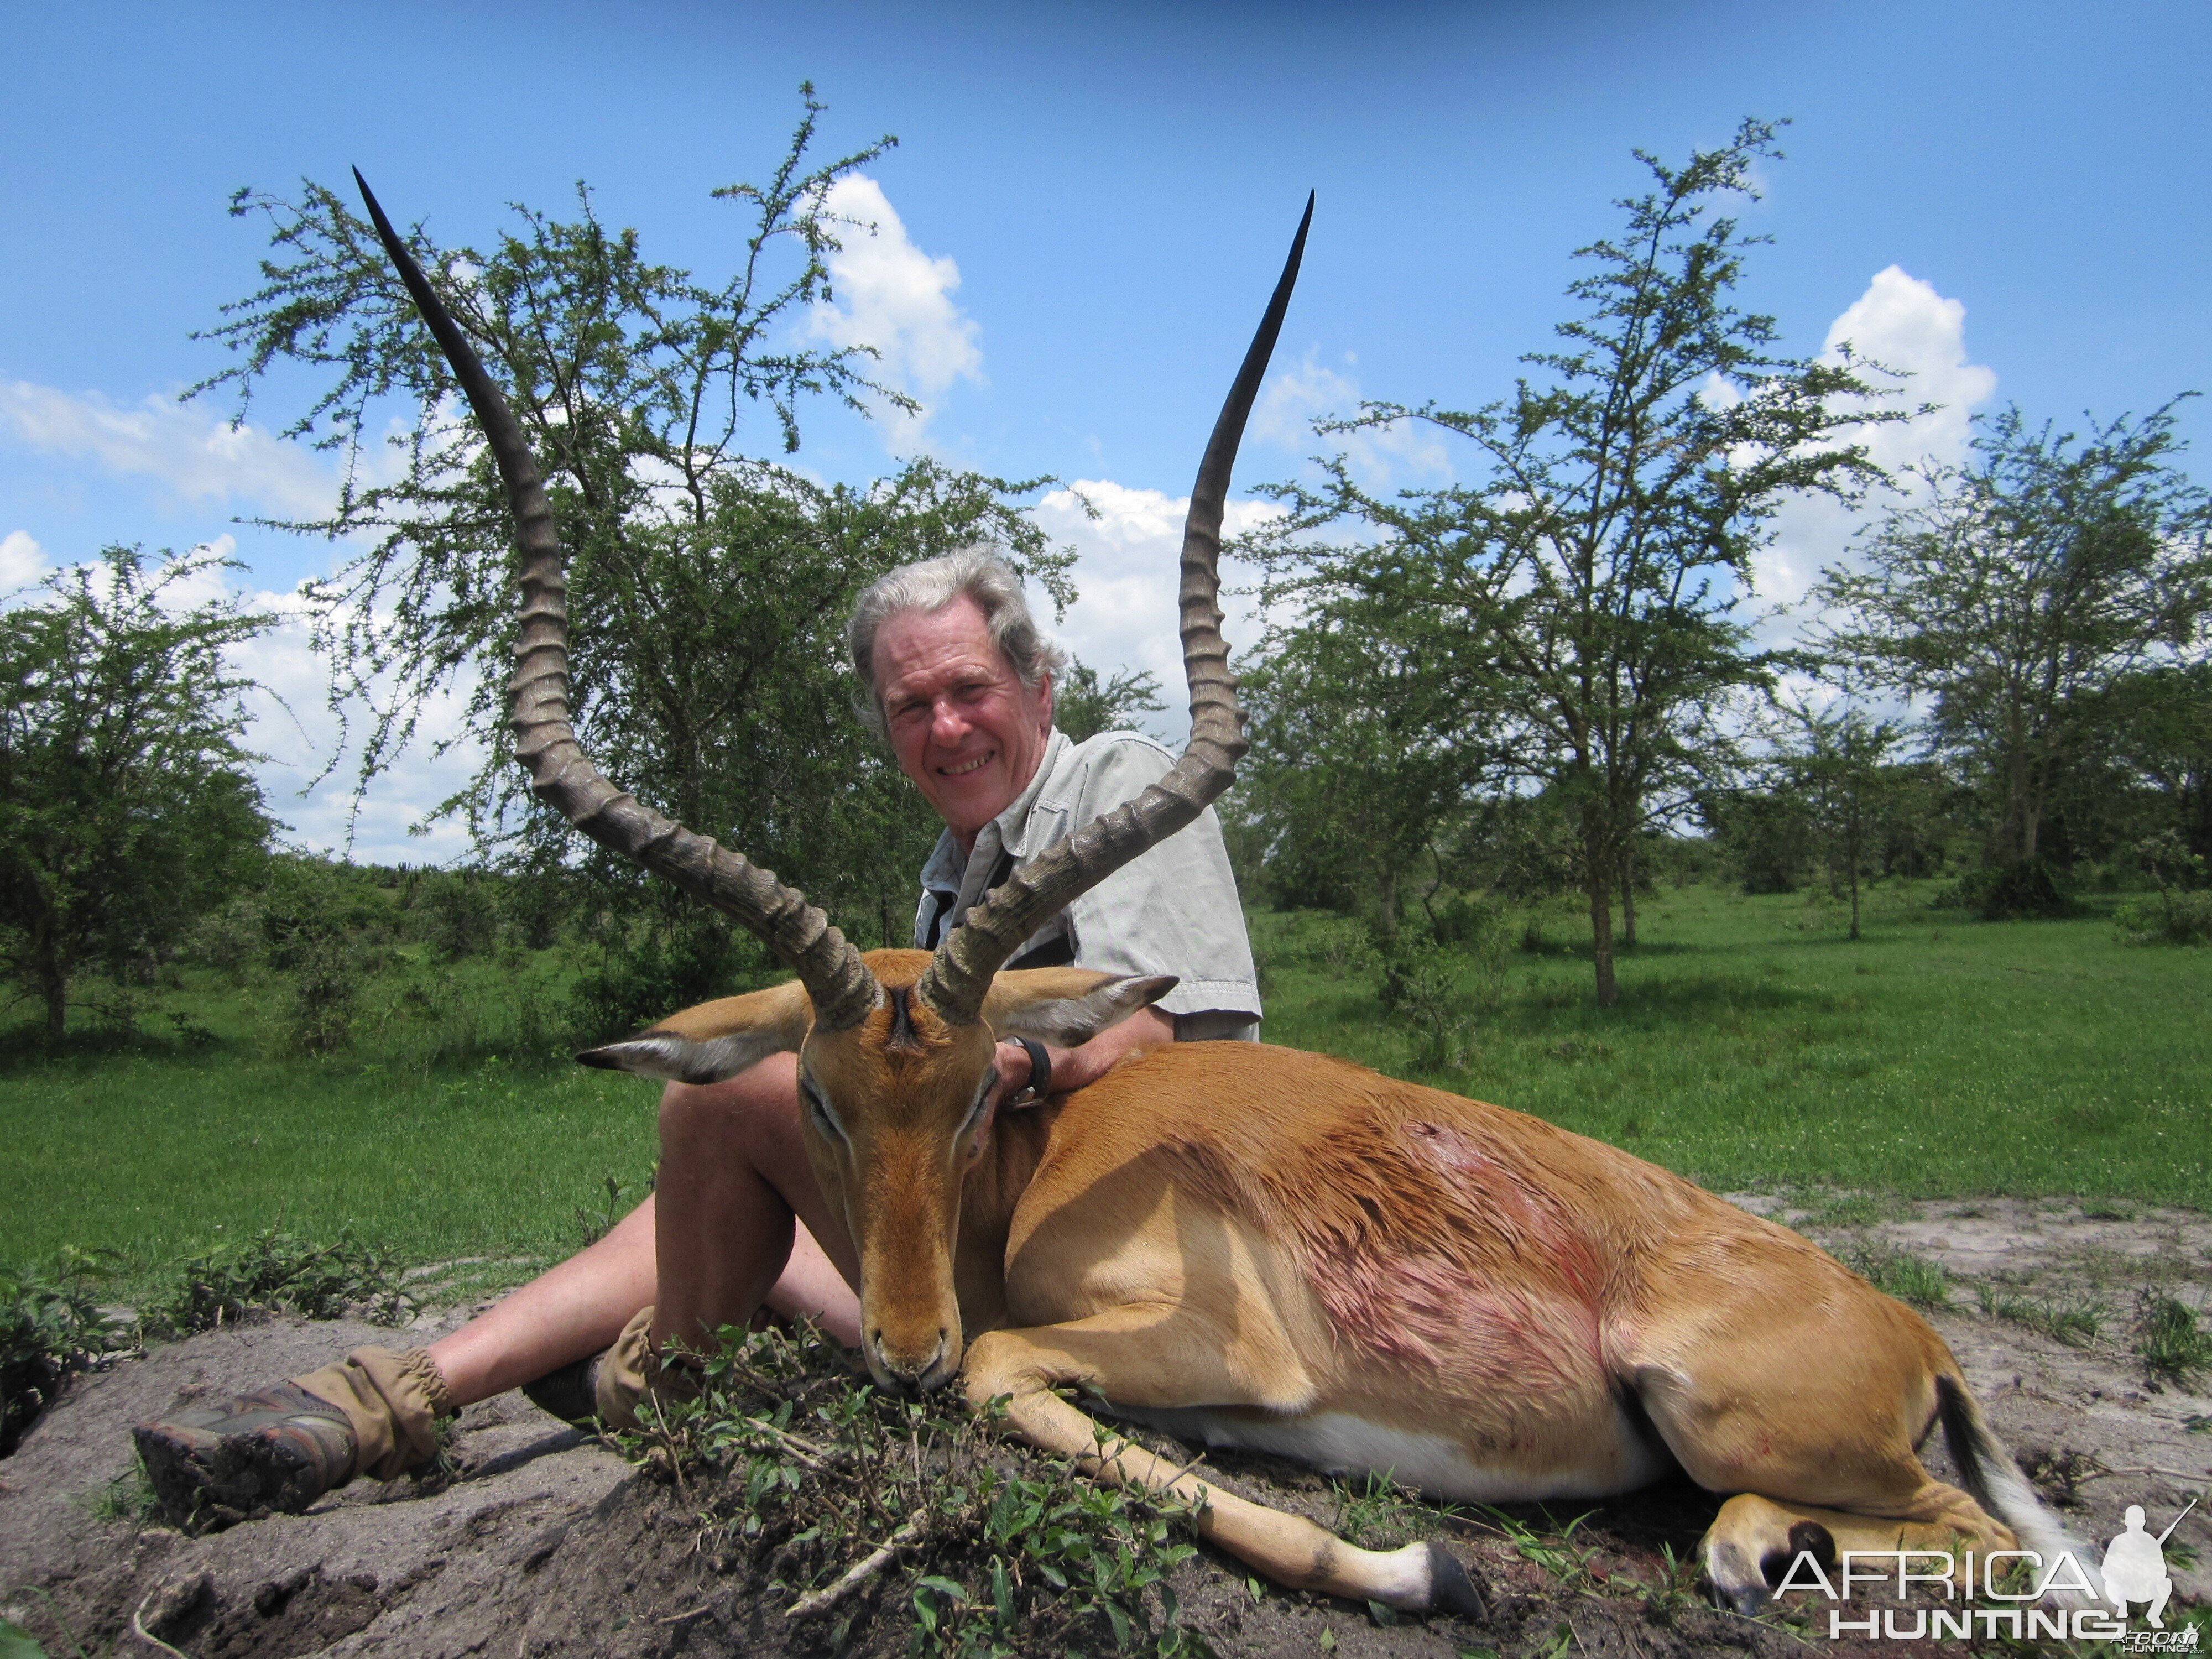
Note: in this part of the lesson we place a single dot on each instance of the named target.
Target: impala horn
(842, 989)
(960, 974)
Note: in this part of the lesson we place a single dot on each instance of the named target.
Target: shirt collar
(947, 870)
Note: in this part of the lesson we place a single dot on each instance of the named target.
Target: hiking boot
(570, 1393)
(279, 1448)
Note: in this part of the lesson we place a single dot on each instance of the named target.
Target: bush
(1481, 928)
(1419, 984)
(2028, 890)
(275, 1272)
(228, 939)
(454, 913)
(49, 1328)
(2168, 918)
(650, 975)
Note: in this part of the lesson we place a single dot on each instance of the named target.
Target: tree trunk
(1386, 891)
(1628, 895)
(54, 985)
(1597, 869)
(1852, 857)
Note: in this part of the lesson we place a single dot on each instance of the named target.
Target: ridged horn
(960, 974)
(561, 774)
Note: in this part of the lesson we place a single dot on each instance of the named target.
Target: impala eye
(817, 1109)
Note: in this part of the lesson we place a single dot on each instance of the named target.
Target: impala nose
(912, 1367)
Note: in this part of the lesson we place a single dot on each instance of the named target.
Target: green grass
(1755, 1047)
(174, 1149)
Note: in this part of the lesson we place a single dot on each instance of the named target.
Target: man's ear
(715, 1040)
(1065, 1006)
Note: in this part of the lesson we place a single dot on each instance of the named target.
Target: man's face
(963, 724)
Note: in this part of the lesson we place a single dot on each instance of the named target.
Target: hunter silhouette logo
(2135, 1566)
(2017, 1594)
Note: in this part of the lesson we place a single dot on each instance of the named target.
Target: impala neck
(994, 1186)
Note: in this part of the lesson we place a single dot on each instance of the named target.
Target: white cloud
(1904, 324)
(294, 727)
(892, 296)
(200, 457)
(1294, 399)
(23, 561)
(1128, 572)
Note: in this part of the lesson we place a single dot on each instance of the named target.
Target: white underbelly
(1433, 1464)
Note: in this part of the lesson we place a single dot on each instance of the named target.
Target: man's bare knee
(761, 1100)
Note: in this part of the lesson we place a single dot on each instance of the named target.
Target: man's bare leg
(739, 1219)
(720, 1219)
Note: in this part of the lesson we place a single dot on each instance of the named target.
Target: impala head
(894, 1049)
(895, 1111)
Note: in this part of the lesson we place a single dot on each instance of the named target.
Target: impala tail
(1988, 1472)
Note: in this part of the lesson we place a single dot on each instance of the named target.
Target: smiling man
(958, 678)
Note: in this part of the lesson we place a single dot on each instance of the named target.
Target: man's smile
(966, 766)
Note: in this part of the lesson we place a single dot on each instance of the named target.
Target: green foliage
(127, 804)
(272, 1270)
(708, 587)
(1417, 981)
(2172, 918)
(325, 928)
(2174, 1348)
(2182, 912)
(2018, 593)
(49, 1327)
(800, 1470)
(1590, 575)
(2027, 890)
(1902, 1273)
(1083, 706)
(456, 914)
(2073, 1320)
(1485, 933)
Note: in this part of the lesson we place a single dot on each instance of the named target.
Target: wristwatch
(1040, 1083)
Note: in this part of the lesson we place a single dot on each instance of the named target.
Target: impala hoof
(1452, 1589)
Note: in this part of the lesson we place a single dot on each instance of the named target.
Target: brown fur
(1269, 1242)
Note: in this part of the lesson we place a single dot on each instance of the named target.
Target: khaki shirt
(1172, 910)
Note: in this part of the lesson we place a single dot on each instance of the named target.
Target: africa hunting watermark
(2133, 1572)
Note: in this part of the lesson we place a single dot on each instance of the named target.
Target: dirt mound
(543, 1541)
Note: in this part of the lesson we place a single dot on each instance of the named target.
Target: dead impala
(1256, 1246)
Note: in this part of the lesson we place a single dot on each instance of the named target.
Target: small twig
(138, 1626)
(806, 1451)
(678, 1618)
(858, 1574)
(2103, 1469)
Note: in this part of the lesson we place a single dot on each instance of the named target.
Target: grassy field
(1755, 1047)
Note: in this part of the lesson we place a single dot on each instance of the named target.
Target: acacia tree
(708, 583)
(1597, 563)
(1834, 758)
(2016, 591)
(127, 804)
(1356, 765)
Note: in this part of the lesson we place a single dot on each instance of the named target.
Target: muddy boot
(633, 1370)
(570, 1393)
(280, 1447)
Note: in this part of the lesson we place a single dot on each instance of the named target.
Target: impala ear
(715, 1040)
(1068, 1006)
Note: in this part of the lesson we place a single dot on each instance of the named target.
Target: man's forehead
(917, 645)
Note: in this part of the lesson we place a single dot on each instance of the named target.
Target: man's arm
(1071, 1068)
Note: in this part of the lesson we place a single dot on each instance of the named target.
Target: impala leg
(1808, 1405)
(1749, 1547)
(1141, 1356)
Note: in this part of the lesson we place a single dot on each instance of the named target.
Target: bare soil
(543, 1541)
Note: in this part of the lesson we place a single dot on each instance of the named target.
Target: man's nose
(947, 725)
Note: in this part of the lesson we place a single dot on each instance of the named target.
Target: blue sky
(1080, 223)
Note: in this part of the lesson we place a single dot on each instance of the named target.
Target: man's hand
(1071, 1068)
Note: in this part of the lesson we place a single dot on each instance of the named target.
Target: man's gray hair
(975, 573)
